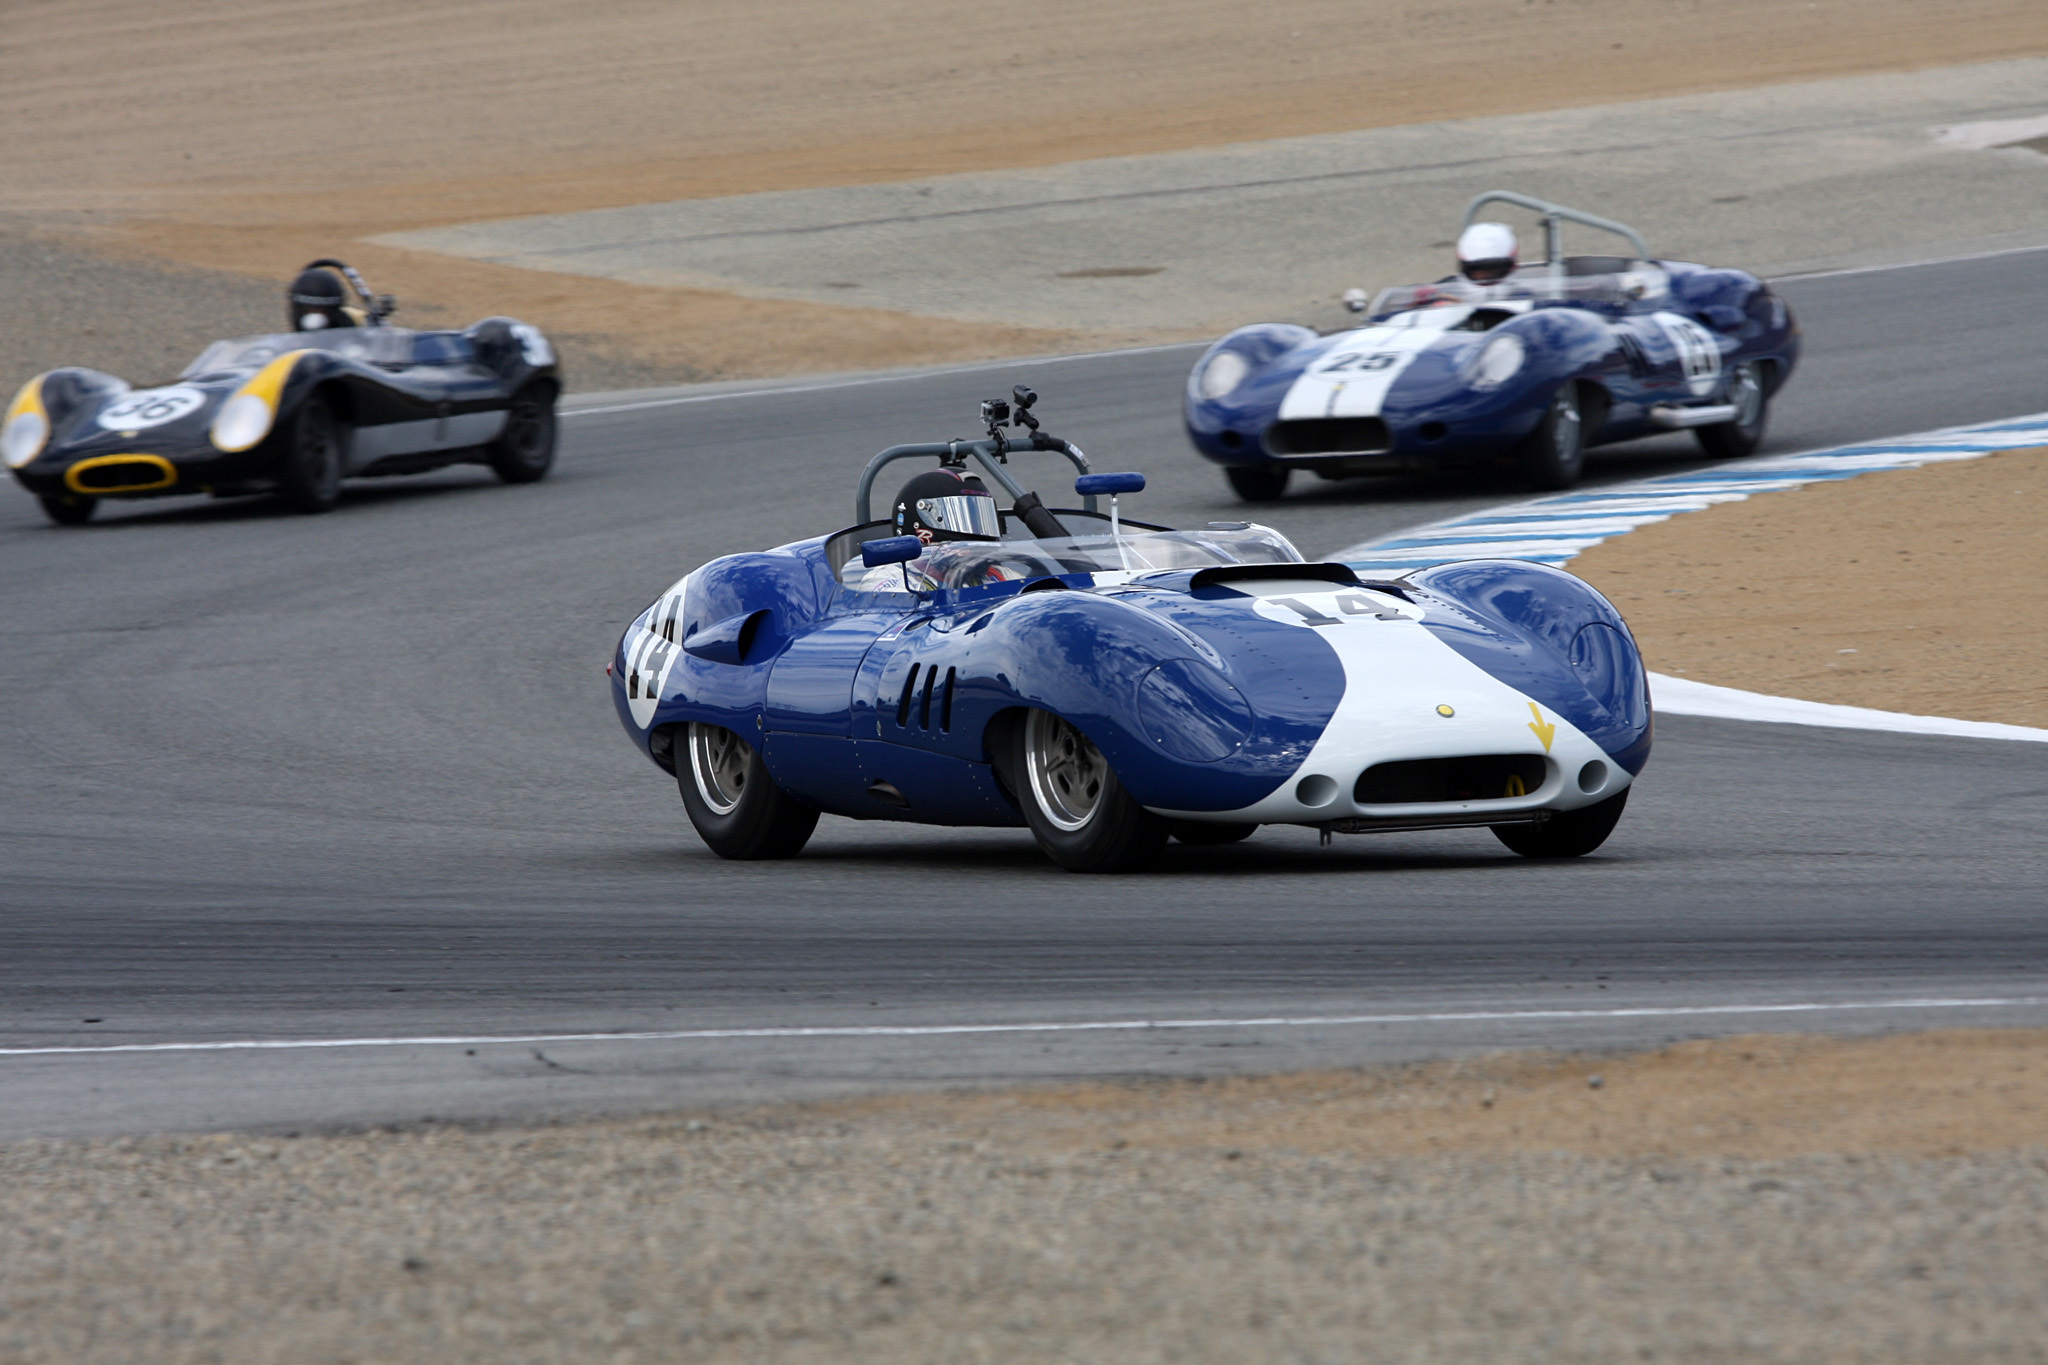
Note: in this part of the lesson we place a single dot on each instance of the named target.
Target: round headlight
(244, 420)
(23, 439)
(1498, 361)
(1224, 372)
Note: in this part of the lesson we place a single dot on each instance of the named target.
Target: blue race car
(1112, 684)
(1535, 364)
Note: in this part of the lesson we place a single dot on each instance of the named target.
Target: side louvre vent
(903, 703)
(946, 705)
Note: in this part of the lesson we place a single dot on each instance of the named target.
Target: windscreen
(974, 564)
(1533, 283)
(370, 345)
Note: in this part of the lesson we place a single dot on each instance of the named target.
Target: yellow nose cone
(1446, 710)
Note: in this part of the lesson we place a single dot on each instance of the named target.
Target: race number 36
(151, 408)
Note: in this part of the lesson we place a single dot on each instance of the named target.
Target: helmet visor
(962, 515)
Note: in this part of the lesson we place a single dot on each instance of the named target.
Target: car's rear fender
(1194, 714)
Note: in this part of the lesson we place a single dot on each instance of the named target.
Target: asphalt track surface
(356, 778)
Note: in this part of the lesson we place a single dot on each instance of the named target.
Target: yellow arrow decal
(1545, 731)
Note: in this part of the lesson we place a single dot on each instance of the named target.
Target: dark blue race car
(1112, 684)
(292, 413)
(1536, 366)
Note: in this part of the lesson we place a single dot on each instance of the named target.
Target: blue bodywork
(1659, 334)
(887, 705)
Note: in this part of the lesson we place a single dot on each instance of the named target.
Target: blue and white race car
(1535, 363)
(1112, 684)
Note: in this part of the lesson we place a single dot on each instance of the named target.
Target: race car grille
(120, 474)
(1480, 777)
(1329, 436)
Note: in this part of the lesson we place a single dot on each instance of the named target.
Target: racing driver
(939, 506)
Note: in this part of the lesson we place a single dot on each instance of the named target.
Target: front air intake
(1329, 436)
(1421, 781)
(120, 474)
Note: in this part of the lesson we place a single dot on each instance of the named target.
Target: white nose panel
(1353, 379)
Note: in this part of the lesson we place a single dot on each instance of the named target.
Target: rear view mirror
(1112, 484)
(890, 550)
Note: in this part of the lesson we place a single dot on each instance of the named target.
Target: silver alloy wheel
(718, 762)
(1746, 392)
(1066, 771)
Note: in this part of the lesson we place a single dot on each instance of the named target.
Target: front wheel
(525, 450)
(1743, 433)
(1567, 834)
(1080, 814)
(1257, 482)
(309, 472)
(1554, 455)
(734, 805)
(68, 509)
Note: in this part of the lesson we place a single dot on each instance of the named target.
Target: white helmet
(1487, 252)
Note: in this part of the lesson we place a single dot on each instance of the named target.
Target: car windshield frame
(1535, 283)
(386, 346)
(1089, 550)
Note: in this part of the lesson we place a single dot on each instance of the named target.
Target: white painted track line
(1087, 1026)
(1684, 697)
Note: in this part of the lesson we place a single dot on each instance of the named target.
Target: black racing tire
(1568, 834)
(312, 450)
(734, 805)
(1750, 391)
(1080, 814)
(1257, 482)
(1554, 455)
(68, 509)
(525, 450)
(1202, 833)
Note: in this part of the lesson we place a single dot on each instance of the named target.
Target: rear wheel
(1742, 434)
(309, 471)
(1257, 482)
(68, 509)
(525, 450)
(734, 805)
(1554, 455)
(1080, 814)
(1568, 834)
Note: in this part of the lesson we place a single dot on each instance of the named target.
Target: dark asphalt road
(272, 777)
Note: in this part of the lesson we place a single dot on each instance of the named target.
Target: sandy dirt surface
(251, 135)
(1872, 591)
(1776, 1199)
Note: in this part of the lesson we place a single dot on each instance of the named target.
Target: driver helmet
(942, 505)
(1487, 252)
(316, 301)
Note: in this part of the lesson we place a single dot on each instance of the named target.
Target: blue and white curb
(1555, 529)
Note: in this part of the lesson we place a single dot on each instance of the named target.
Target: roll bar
(989, 454)
(1553, 214)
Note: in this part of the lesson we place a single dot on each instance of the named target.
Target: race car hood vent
(1222, 575)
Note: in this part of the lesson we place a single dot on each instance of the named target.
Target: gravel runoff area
(1917, 590)
(237, 144)
(1778, 1199)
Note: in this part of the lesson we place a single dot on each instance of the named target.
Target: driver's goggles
(969, 514)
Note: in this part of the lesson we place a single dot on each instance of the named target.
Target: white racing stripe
(1083, 1026)
(1353, 377)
